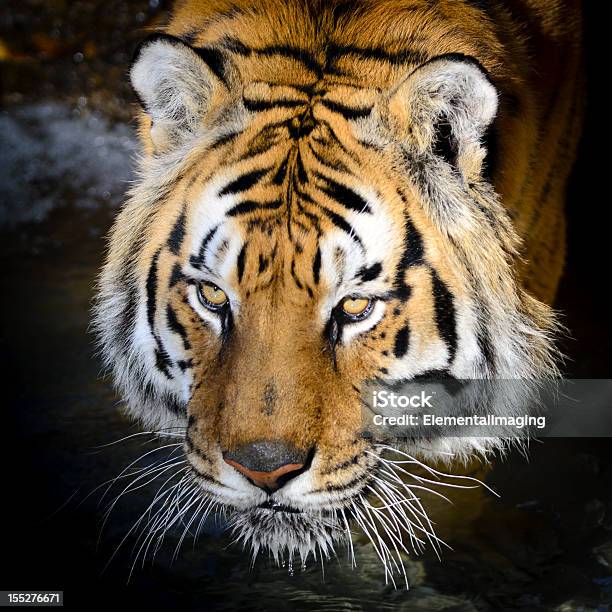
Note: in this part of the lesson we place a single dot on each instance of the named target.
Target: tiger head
(285, 245)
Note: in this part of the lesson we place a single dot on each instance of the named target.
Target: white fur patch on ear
(174, 85)
(451, 91)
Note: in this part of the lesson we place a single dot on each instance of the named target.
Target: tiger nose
(267, 464)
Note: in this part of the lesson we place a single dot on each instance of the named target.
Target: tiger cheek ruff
(332, 193)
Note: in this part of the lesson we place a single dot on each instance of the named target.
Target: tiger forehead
(319, 91)
(272, 219)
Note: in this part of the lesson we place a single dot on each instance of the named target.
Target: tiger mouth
(274, 506)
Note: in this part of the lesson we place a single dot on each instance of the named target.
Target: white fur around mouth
(289, 534)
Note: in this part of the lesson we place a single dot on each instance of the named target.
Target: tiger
(332, 192)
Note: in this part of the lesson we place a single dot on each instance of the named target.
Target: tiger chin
(331, 194)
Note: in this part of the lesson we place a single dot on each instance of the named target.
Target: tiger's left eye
(356, 308)
(211, 296)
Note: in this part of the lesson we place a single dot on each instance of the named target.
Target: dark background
(547, 543)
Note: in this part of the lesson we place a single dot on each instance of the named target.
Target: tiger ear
(174, 86)
(443, 109)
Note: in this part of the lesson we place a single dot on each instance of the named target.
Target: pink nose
(267, 464)
(270, 481)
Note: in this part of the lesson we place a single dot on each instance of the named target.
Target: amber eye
(211, 296)
(356, 308)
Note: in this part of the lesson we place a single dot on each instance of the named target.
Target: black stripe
(279, 177)
(301, 171)
(413, 248)
(264, 141)
(433, 375)
(483, 338)
(172, 404)
(263, 263)
(236, 46)
(223, 140)
(445, 314)
(316, 266)
(244, 182)
(162, 360)
(400, 345)
(335, 52)
(190, 37)
(152, 394)
(344, 465)
(176, 275)
(370, 273)
(301, 55)
(198, 261)
(175, 240)
(215, 60)
(314, 219)
(451, 385)
(341, 223)
(227, 323)
(348, 112)
(240, 263)
(345, 196)
(248, 206)
(151, 288)
(263, 105)
(184, 364)
(341, 487)
(296, 280)
(335, 218)
(412, 255)
(176, 326)
(414, 252)
(332, 334)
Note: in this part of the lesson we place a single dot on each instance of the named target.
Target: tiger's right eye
(356, 308)
(212, 296)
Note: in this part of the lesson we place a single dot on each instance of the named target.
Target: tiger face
(287, 244)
